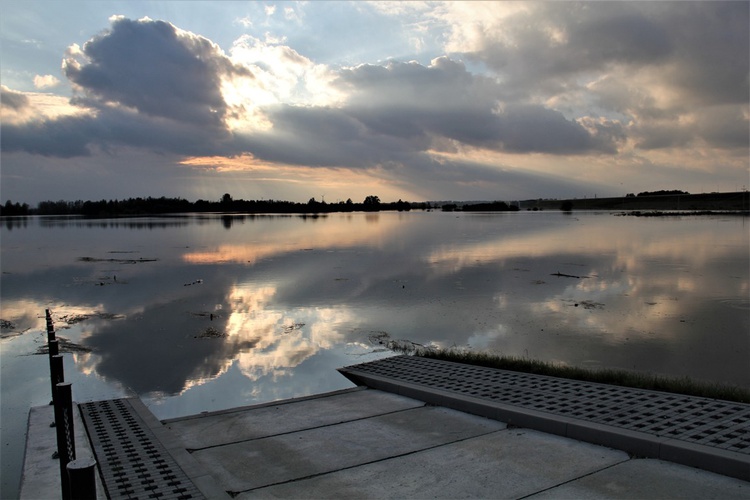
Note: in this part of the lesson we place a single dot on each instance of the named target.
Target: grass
(624, 378)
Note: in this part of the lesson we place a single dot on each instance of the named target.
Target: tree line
(163, 205)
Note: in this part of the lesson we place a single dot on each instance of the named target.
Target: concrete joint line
(401, 455)
(573, 480)
(323, 426)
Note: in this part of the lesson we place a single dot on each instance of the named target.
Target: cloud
(142, 83)
(13, 100)
(46, 81)
(657, 67)
(521, 84)
(154, 68)
(540, 46)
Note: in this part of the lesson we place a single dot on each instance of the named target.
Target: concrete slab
(693, 431)
(242, 424)
(650, 479)
(41, 472)
(287, 457)
(510, 463)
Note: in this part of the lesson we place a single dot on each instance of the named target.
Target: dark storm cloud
(156, 69)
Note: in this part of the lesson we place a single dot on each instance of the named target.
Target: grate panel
(707, 422)
(132, 461)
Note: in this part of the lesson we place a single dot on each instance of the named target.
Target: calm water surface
(200, 313)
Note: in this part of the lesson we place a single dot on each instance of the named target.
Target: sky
(402, 100)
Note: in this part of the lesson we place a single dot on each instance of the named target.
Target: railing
(77, 477)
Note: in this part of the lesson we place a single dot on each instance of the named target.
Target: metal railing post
(82, 478)
(50, 326)
(57, 374)
(66, 448)
(54, 350)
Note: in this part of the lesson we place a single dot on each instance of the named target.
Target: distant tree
(371, 203)
(662, 192)
(11, 208)
(566, 206)
(226, 199)
(371, 200)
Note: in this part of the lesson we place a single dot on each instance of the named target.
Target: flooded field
(203, 312)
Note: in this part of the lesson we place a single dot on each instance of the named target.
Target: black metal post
(50, 326)
(54, 350)
(82, 478)
(57, 374)
(66, 448)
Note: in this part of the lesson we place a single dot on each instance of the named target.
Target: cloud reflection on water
(285, 294)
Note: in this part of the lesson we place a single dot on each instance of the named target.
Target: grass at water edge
(623, 378)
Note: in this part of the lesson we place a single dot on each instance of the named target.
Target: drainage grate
(132, 461)
(720, 424)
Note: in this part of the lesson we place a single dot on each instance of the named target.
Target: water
(203, 312)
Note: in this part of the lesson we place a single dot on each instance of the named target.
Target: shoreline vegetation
(684, 385)
(659, 203)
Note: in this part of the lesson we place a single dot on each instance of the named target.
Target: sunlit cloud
(46, 81)
(484, 97)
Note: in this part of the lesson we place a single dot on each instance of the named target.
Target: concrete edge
(189, 465)
(706, 458)
(40, 473)
(262, 405)
(634, 442)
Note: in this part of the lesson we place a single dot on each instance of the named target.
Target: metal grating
(132, 461)
(708, 422)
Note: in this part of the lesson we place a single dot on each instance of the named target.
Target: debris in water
(563, 275)
(64, 345)
(292, 327)
(210, 333)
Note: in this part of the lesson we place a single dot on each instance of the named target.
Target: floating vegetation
(211, 333)
(588, 304)
(563, 275)
(397, 345)
(119, 261)
(292, 327)
(72, 319)
(7, 325)
(205, 314)
(64, 345)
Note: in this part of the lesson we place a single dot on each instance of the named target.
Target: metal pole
(82, 478)
(66, 448)
(54, 350)
(50, 326)
(56, 373)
